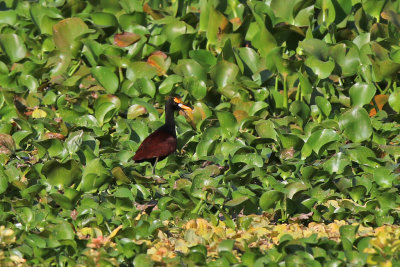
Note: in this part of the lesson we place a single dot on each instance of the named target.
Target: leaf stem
(285, 92)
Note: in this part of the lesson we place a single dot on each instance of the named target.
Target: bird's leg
(154, 166)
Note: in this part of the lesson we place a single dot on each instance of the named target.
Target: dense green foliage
(296, 119)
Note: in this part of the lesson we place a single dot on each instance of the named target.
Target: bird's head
(176, 104)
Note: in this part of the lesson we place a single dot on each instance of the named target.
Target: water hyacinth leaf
(384, 177)
(61, 174)
(315, 48)
(236, 201)
(266, 129)
(196, 87)
(136, 110)
(190, 68)
(202, 149)
(361, 94)
(62, 201)
(301, 111)
(63, 231)
(169, 83)
(293, 188)
(103, 19)
(94, 175)
(160, 61)
(306, 87)
(323, 105)
(66, 34)
(21, 137)
(263, 40)
(270, 199)
(387, 200)
(3, 182)
(357, 192)
(217, 23)
(356, 124)
(13, 46)
(142, 260)
(145, 86)
(337, 163)
(321, 68)
(140, 69)
(74, 141)
(106, 106)
(228, 123)
(394, 100)
(181, 46)
(126, 39)
(320, 138)
(250, 60)
(107, 78)
(348, 235)
(224, 73)
(364, 156)
(203, 57)
(8, 17)
(249, 159)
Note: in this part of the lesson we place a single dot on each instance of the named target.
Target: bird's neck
(169, 119)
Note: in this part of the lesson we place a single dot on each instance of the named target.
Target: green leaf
(270, 199)
(139, 69)
(320, 138)
(13, 46)
(356, 124)
(236, 201)
(337, 163)
(142, 260)
(361, 94)
(323, 105)
(394, 100)
(3, 182)
(321, 68)
(94, 175)
(167, 86)
(266, 129)
(61, 174)
(263, 40)
(249, 159)
(228, 123)
(301, 111)
(63, 231)
(106, 106)
(62, 201)
(224, 73)
(67, 34)
(74, 141)
(197, 88)
(107, 78)
(364, 156)
(190, 68)
(384, 177)
(103, 19)
(203, 57)
(145, 86)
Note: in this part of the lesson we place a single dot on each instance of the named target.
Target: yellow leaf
(181, 246)
(115, 232)
(387, 263)
(39, 113)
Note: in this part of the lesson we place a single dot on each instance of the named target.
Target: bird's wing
(157, 145)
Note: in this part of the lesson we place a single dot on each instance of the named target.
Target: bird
(163, 141)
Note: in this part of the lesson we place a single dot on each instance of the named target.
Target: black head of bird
(162, 142)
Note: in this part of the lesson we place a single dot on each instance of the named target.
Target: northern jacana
(162, 142)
